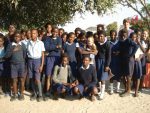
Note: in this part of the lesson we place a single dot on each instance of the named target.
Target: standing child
(115, 61)
(70, 48)
(35, 53)
(63, 79)
(128, 49)
(16, 51)
(103, 59)
(137, 66)
(53, 45)
(2, 54)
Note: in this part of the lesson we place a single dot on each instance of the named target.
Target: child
(53, 45)
(16, 51)
(2, 54)
(87, 78)
(35, 53)
(127, 52)
(115, 61)
(70, 48)
(63, 79)
(103, 59)
(92, 48)
(64, 38)
(137, 66)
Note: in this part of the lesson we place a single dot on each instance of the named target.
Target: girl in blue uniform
(115, 61)
(103, 59)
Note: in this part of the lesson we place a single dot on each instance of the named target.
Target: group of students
(75, 63)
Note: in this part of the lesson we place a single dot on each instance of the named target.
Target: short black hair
(113, 31)
(46, 25)
(101, 32)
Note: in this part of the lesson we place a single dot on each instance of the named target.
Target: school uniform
(70, 49)
(34, 53)
(115, 60)
(2, 54)
(87, 78)
(128, 49)
(137, 66)
(17, 59)
(54, 53)
(62, 75)
(103, 59)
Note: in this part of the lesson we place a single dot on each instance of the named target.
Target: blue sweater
(128, 48)
(50, 46)
(87, 77)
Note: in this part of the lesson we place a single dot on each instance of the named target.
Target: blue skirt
(137, 70)
(101, 74)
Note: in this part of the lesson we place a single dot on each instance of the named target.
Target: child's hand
(58, 46)
(107, 69)
(40, 69)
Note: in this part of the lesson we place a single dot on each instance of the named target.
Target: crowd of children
(76, 63)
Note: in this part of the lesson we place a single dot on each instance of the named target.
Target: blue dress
(115, 60)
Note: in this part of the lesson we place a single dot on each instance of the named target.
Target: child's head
(126, 23)
(55, 32)
(138, 32)
(86, 60)
(12, 29)
(90, 41)
(82, 37)
(124, 34)
(23, 34)
(145, 35)
(71, 37)
(28, 34)
(133, 36)
(34, 34)
(77, 31)
(48, 27)
(101, 36)
(17, 37)
(2, 38)
(113, 34)
(64, 59)
(64, 36)
(61, 31)
(95, 37)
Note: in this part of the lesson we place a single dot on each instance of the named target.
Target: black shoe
(45, 98)
(33, 97)
(21, 97)
(13, 98)
(40, 98)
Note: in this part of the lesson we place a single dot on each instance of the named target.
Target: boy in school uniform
(35, 53)
(16, 51)
(53, 45)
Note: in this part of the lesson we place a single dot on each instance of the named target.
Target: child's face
(34, 34)
(64, 61)
(17, 38)
(90, 41)
(77, 33)
(134, 37)
(1, 42)
(101, 38)
(113, 36)
(145, 35)
(61, 32)
(49, 28)
(11, 29)
(28, 34)
(71, 38)
(64, 38)
(55, 32)
(86, 61)
(83, 39)
(126, 24)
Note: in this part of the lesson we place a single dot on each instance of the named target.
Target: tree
(34, 13)
(112, 26)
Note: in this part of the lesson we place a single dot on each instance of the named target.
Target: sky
(91, 20)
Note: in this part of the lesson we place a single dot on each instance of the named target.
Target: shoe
(125, 94)
(13, 98)
(101, 96)
(21, 97)
(39, 99)
(45, 98)
(92, 98)
(33, 97)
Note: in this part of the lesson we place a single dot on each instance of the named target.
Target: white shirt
(25, 41)
(35, 49)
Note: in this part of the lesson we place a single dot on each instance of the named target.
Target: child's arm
(107, 57)
(9, 51)
(42, 62)
(54, 77)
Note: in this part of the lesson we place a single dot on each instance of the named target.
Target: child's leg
(128, 84)
(47, 83)
(15, 90)
(137, 87)
(111, 86)
(101, 96)
(22, 80)
(1, 91)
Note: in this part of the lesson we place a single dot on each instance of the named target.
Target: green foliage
(112, 26)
